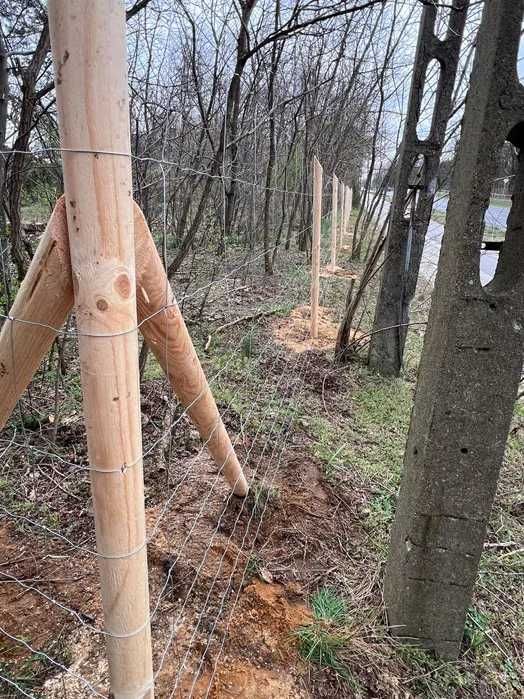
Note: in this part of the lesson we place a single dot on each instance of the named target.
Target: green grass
(27, 677)
(368, 448)
(382, 410)
(381, 509)
(475, 629)
(326, 445)
(31, 671)
(328, 606)
(322, 641)
(248, 347)
(261, 497)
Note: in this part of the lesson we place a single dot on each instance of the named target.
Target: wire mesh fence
(225, 182)
(203, 542)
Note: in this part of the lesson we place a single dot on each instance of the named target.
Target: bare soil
(230, 579)
(197, 560)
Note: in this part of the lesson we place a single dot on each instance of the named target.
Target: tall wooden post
(88, 43)
(334, 220)
(347, 212)
(315, 247)
(349, 207)
(342, 212)
(166, 334)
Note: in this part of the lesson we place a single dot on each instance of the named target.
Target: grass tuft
(328, 606)
(260, 497)
(475, 630)
(320, 644)
(322, 641)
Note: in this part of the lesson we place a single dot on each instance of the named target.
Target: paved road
(431, 253)
(495, 215)
(430, 256)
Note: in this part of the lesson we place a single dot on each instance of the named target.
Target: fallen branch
(238, 321)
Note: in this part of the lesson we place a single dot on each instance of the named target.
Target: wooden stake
(315, 248)
(348, 207)
(46, 298)
(88, 43)
(166, 334)
(342, 212)
(334, 212)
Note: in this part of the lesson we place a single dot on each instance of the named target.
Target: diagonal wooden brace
(165, 331)
(44, 301)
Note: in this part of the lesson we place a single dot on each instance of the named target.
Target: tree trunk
(4, 98)
(21, 145)
(406, 239)
(275, 55)
(230, 130)
(470, 368)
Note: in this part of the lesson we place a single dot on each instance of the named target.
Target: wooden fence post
(44, 299)
(165, 331)
(347, 213)
(342, 212)
(315, 251)
(334, 221)
(349, 207)
(88, 43)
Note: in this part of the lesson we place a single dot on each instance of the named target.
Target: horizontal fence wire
(268, 439)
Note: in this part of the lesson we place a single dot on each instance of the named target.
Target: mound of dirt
(262, 630)
(294, 331)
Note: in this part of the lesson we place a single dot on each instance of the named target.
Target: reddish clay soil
(229, 578)
(246, 635)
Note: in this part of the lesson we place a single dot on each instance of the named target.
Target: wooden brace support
(44, 301)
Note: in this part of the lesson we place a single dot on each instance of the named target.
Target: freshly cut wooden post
(315, 247)
(45, 298)
(347, 211)
(342, 212)
(334, 217)
(349, 207)
(166, 334)
(88, 43)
